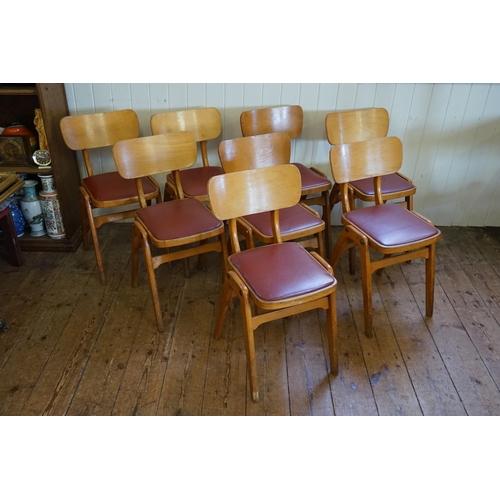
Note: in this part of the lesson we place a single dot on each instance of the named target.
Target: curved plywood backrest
(256, 151)
(356, 125)
(288, 119)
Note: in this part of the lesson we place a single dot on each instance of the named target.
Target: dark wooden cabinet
(17, 104)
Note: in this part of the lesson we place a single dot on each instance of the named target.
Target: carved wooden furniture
(205, 124)
(175, 223)
(360, 125)
(105, 190)
(298, 222)
(289, 119)
(277, 280)
(392, 230)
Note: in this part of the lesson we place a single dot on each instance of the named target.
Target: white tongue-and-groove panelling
(450, 132)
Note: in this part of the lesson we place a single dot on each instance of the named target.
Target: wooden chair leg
(331, 315)
(95, 239)
(246, 312)
(430, 277)
(85, 220)
(152, 282)
(327, 217)
(224, 303)
(136, 245)
(366, 278)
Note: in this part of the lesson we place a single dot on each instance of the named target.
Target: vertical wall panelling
(478, 177)
(450, 132)
(252, 95)
(428, 149)
(414, 129)
(271, 94)
(196, 95)
(446, 151)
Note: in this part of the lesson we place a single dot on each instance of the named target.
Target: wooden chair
(205, 124)
(175, 223)
(361, 125)
(297, 222)
(106, 190)
(392, 230)
(278, 280)
(315, 184)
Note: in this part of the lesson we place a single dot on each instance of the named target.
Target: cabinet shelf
(17, 104)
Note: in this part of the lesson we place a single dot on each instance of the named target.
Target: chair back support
(99, 129)
(256, 151)
(364, 159)
(154, 154)
(356, 125)
(204, 123)
(288, 119)
(248, 192)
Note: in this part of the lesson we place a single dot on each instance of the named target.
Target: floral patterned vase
(52, 214)
(32, 208)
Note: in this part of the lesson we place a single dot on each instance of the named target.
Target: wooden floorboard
(76, 347)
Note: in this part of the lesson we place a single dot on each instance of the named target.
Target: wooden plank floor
(78, 348)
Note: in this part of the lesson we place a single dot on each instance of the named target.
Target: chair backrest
(97, 130)
(356, 125)
(154, 154)
(363, 159)
(288, 119)
(255, 151)
(204, 123)
(247, 192)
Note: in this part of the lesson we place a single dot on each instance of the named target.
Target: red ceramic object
(18, 129)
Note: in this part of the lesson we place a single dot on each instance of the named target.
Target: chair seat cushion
(194, 180)
(391, 183)
(292, 219)
(178, 219)
(281, 271)
(312, 180)
(112, 186)
(391, 225)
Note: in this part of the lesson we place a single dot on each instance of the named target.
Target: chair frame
(234, 195)
(138, 158)
(266, 150)
(290, 119)
(98, 130)
(375, 158)
(204, 123)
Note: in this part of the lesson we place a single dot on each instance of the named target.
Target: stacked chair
(360, 125)
(106, 190)
(182, 227)
(205, 124)
(390, 229)
(276, 280)
(289, 119)
(297, 222)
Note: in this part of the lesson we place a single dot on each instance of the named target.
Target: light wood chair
(392, 230)
(205, 124)
(277, 280)
(361, 125)
(298, 222)
(289, 119)
(182, 223)
(106, 190)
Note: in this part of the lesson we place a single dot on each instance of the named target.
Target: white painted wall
(450, 132)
